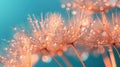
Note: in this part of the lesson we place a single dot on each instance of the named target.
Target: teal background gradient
(15, 12)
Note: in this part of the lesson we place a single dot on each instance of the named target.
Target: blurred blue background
(15, 12)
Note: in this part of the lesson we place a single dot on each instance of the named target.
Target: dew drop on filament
(46, 59)
(84, 56)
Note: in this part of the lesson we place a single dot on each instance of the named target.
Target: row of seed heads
(53, 36)
(89, 6)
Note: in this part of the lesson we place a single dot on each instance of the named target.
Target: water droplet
(104, 33)
(63, 6)
(69, 4)
(85, 56)
(46, 59)
(74, 12)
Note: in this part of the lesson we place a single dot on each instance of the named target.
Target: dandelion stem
(29, 59)
(117, 50)
(54, 59)
(26, 42)
(112, 57)
(66, 61)
(77, 53)
(106, 60)
(57, 62)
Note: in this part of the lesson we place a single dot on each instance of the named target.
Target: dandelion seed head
(51, 37)
(91, 5)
